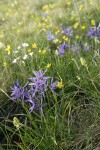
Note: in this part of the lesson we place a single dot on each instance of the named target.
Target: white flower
(15, 60)
(19, 47)
(15, 52)
(25, 56)
(22, 62)
(25, 44)
(31, 53)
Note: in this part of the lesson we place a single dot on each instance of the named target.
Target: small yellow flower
(59, 41)
(48, 17)
(16, 122)
(76, 25)
(18, 31)
(72, 18)
(7, 14)
(8, 49)
(69, 3)
(5, 64)
(44, 7)
(91, 3)
(34, 45)
(66, 39)
(39, 51)
(57, 32)
(56, 41)
(93, 22)
(43, 51)
(46, 20)
(83, 27)
(80, 7)
(60, 85)
(32, 16)
(47, 27)
(29, 50)
(51, 6)
(50, 25)
(77, 37)
(48, 65)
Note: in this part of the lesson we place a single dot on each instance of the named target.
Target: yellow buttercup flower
(47, 27)
(51, 6)
(8, 49)
(60, 85)
(77, 37)
(32, 16)
(29, 50)
(56, 41)
(80, 7)
(68, 3)
(43, 51)
(48, 65)
(83, 27)
(5, 64)
(91, 3)
(72, 18)
(39, 51)
(44, 7)
(58, 31)
(34, 45)
(18, 31)
(93, 22)
(76, 25)
(65, 38)
(50, 25)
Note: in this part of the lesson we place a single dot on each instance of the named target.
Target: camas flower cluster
(34, 91)
(65, 34)
(94, 31)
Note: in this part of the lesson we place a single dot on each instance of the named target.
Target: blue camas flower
(39, 82)
(53, 85)
(34, 91)
(94, 32)
(86, 47)
(19, 92)
(62, 48)
(50, 37)
(67, 31)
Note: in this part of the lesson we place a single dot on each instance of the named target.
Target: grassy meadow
(49, 75)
